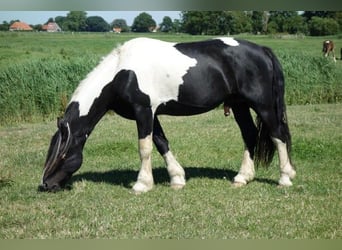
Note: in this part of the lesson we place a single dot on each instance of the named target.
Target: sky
(40, 17)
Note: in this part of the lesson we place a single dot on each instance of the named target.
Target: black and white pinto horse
(145, 78)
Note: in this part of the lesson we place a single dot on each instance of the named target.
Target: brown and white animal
(328, 46)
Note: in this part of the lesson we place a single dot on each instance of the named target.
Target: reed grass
(39, 72)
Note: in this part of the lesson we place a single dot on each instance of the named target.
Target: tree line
(314, 23)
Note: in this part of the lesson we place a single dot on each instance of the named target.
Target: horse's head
(63, 159)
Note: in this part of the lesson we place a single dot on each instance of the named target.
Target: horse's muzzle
(45, 188)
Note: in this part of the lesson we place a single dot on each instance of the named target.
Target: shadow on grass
(127, 177)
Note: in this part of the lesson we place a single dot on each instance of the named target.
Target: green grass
(39, 71)
(99, 202)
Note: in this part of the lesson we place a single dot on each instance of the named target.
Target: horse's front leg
(144, 119)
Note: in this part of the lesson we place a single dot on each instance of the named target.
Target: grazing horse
(145, 78)
(328, 47)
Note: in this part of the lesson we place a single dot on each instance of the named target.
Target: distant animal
(328, 47)
(145, 78)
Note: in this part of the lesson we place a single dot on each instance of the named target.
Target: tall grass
(310, 79)
(40, 87)
(38, 72)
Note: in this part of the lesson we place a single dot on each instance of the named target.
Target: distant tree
(13, 21)
(193, 22)
(143, 23)
(50, 20)
(37, 27)
(96, 24)
(257, 21)
(280, 18)
(4, 26)
(338, 18)
(62, 22)
(120, 23)
(240, 22)
(295, 24)
(205, 22)
(177, 26)
(167, 24)
(309, 14)
(323, 26)
(76, 21)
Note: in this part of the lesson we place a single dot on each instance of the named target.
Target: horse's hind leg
(249, 134)
(175, 170)
(280, 135)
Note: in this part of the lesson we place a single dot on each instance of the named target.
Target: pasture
(39, 71)
(98, 202)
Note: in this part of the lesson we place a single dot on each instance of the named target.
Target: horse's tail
(265, 147)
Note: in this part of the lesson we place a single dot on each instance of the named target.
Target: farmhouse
(51, 27)
(117, 30)
(20, 26)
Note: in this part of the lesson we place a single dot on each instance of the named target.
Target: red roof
(20, 26)
(51, 27)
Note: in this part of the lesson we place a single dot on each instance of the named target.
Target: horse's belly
(179, 109)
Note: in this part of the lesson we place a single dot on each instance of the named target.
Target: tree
(76, 21)
(61, 21)
(309, 14)
(120, 23)
(192, 22)
(295, 25)
(96, 24)
(280, 18)
(4, 26)
(240, 22)
(143, 23)
(50, 20)
(177, 26)
(205, 22)
(323, 26)
(166, 25)
(257, 21)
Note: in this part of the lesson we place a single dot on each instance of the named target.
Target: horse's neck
(83, 125)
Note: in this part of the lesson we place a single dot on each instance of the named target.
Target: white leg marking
(287, 172)
(247, 171)
(145, 177)
(175, 170)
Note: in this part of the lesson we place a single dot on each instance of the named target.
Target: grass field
(41, 70)
(99, 202)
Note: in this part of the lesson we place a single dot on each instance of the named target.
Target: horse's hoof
(177, 186)
(140, 188)
(177, 182)
(238, 184)
(285, 182)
